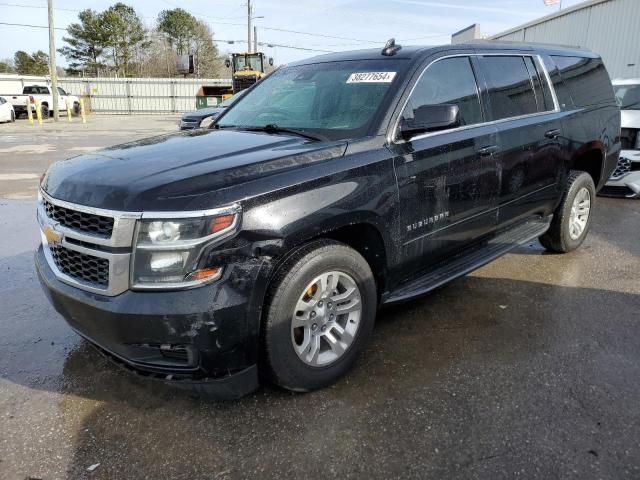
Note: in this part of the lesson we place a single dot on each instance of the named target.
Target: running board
(469, 260)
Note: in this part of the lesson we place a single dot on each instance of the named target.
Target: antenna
(390, 48)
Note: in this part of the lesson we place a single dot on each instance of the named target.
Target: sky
(356, 23)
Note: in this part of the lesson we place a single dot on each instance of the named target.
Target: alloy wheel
(326, 318)
(580, 211)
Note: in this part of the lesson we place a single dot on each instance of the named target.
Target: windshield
(231, 100)
(248, 62)
(336, 99)
(628, 96)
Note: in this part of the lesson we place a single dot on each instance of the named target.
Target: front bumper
(188, 124)
(625, 181)
(204, 339)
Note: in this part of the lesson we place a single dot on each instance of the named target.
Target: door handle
(552, 134)
(490, 150)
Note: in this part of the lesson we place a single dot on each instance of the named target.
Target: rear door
(447, 179)
(524, 109)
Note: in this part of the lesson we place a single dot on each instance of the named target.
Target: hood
(202, 113)
(630, 118)
(170, 171)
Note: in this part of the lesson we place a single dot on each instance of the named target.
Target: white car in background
(625, 181)
(6, 111)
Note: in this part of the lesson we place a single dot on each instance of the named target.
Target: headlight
(168, 250)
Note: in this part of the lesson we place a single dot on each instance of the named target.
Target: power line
(270, 44)
(30, 26)
(36, 6)
(215, 39)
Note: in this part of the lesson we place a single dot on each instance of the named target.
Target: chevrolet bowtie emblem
(51, 235)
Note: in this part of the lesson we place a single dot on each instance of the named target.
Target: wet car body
(390, 198)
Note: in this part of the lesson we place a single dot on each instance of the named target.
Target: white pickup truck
(42, 93)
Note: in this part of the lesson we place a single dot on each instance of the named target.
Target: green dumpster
(209, 96)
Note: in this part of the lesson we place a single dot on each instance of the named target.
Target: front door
(448, 180)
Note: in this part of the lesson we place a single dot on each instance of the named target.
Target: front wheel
(320, 312)
(572, 218)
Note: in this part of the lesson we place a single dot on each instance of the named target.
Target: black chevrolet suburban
(263, 246)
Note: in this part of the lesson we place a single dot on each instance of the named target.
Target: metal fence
(124, 95)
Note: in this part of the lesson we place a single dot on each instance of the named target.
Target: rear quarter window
(586, 79)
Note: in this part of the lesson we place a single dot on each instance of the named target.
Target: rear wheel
(76, 109)
(572, 218)
(44, 110)
(320, 313)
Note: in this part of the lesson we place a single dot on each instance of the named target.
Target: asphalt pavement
(528, 368)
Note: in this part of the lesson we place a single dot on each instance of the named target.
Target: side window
(2, 101)
(562, 92)
(61, 91)
(510, 88)
(546, 89)
(587, 80)
(448, 81)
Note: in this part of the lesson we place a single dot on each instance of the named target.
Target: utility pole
(52, 61)
(249, 26)
(255, 39)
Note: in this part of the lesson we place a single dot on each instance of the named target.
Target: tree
(35, 64)
(209, 62)
(187, 35)
(7, 66)
(179, 26)
(86, 44)
(125, 34)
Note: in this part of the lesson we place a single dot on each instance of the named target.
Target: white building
(610, 28)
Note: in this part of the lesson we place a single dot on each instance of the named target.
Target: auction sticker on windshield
(371, 77)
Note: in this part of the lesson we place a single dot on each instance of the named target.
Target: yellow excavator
(246, 68)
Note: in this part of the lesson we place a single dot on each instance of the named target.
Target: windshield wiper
(273, 128)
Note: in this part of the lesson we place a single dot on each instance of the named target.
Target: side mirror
(430, 118)
(271, 61)
(227, 63)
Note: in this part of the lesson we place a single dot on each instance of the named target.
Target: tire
(289, 357)
(76, 109)
(44, 109)
(568, 228)
(13, 117)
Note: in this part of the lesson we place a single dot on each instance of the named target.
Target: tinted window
(449, 81)
(628, 96)
(61, 91)
(546, 89)
(562, 92)
(587, 80)
(510, 88)
(36, 90)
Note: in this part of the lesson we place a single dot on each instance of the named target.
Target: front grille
(242, 82)
(629, 138)
(82, 267)
(88, 223)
